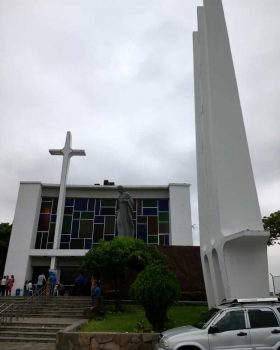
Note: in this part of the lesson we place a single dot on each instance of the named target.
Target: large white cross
(67, 152)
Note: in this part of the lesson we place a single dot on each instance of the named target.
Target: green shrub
(117, 259)
(156, 288)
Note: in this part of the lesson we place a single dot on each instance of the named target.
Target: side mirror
(213, 330)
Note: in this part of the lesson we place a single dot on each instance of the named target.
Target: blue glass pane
(88, 243)
(54, 206)
(76, 215)
(69, 202)
(141, 229)
(91, 204)
(166, 240)
(163, 204)
(149, 211)
(99, 219)
(81, 204)
(53, 218)
(143, 237)
(65, 238)
(75, 229)
(97, 206)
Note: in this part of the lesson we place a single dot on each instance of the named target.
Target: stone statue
(125, 214)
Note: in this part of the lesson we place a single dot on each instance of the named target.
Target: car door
(264, 328)
(230, 332)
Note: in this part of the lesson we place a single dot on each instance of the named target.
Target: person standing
(30, 288)
(11, 282)
(6, 285)
(52, 282)
(41, 281)
(3, 286)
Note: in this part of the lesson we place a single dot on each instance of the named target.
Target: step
(28, 334)
(28, 329)
(25, 313)
(56, 316)
(25, 340)
(38, 325)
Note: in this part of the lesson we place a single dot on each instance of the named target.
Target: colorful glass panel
(87, 215)
(87, 220)
(66, 226)
(152, 225)
(108, 203)
(150, 211)
(80, 204)
(91, 204)
(46, 208)
(150, 203)
(75, 229)
(163, 216)
(86, 227)
(44, 222)
(98, 232)
(163, 205)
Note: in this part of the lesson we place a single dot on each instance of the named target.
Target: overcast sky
(119, 75)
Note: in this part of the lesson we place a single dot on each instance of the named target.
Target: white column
(67, 152)
(18, 262)
(180, 215)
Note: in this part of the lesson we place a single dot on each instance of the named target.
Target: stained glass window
(87, 220)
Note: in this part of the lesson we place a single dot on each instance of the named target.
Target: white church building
(161, 216)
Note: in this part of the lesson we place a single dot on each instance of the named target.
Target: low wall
(69, 338)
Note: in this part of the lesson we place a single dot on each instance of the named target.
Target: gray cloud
(119, 75)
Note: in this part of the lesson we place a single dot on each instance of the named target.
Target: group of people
(6, 286)
(53, 287)
(81, 282)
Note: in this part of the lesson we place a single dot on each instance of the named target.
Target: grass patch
(133, 319)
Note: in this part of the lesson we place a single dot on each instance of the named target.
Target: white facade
(233, 243)
(180, 214)
(22, 255)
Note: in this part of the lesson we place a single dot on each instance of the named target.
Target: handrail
(30, 302)
(7, 313)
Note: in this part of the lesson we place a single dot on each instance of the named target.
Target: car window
(206, 318)
(262, 318)
(231, 321)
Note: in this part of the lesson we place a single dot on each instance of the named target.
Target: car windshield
(206, 318)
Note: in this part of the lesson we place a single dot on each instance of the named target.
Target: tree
(5, 233)
(271, 223)
(156, 288)
(117, 258)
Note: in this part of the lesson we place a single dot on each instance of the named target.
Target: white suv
(243, 324)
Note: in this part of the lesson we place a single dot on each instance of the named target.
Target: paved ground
(26, 346)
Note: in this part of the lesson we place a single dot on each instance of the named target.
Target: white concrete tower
(233, 243)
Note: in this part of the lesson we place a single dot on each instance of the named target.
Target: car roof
(249, 302)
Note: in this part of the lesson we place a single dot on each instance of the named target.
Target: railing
(7, 313)
(14, 311)
(38, 296)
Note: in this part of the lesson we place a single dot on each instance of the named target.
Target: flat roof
(108, 187)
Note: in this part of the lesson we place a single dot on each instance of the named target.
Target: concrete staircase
(41, 319)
